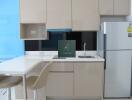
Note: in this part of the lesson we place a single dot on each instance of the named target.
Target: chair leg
(34, 95)
(9, 93)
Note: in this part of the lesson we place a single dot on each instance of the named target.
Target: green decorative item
(66, 48)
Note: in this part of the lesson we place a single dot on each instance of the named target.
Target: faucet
(84, 48)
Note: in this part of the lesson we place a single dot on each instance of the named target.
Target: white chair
(8, 82)
(37, 82)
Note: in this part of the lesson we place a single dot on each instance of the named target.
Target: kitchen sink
(86, 56)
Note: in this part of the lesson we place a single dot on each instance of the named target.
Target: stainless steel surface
(118, 74)
(84, 48)
(117, 36)
(86, 56)
(117, 50)
(56, 57)
(118, 54)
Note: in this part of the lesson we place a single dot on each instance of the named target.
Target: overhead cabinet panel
(106, 7)
(85, 15)
(121, 7)
(58, 14)
(114, 7)
(33, 11)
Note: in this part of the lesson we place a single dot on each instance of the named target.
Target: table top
(22, 65)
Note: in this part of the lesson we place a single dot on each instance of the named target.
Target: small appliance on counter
(66, 48)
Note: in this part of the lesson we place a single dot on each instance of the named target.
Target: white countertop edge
(53, 53)
(48, 56)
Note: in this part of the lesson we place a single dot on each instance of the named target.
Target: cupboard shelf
(33, 31)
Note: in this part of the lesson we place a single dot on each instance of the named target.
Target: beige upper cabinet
(121, 7)
(114, 7)
(106, 7)
(85, 15)
(33, 11)
(88, 79)
(58, 14)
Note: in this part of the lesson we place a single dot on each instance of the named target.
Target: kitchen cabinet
(88, 79)
(60, 80)
(32, 11)
(60, 84)
(121, 7)
(72, 80)
(33, 19)
(33, 31)
(85, 15)
(114, 7)
(106, 7)
(58, 14)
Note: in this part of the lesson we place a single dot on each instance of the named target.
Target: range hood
(60, 30)
(129, 17)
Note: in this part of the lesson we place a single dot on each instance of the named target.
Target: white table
(19, 66)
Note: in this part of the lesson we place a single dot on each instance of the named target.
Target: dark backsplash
(81, 37)
(52, 44)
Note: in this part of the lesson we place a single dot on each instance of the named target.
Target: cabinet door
(33, 11)
(61, 67)
(59, 84)
(121, 7)
(106, 7)
(88, 79)
(58, 14)
(85, 15)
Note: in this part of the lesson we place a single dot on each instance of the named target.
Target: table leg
(24, 87)
(9, 93)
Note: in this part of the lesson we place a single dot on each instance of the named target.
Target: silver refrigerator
(115, 45)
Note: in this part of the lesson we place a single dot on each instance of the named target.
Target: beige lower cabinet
(72, 79)
(60, 80)
(88, 79)
(60, 84)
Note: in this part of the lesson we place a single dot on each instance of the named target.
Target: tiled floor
(104, 99)
(4, 92)
(118, 99)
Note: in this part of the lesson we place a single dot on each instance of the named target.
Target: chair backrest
(42, 79)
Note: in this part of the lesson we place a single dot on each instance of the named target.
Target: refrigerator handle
(104, 43)
(131, 75)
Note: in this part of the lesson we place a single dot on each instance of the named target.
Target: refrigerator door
(118, 74)
(117, 36)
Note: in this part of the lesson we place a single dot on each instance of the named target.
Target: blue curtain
(10, 43)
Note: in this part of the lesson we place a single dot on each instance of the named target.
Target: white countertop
(23, 64)
(48, 55)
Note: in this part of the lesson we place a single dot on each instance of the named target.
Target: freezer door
(117, 36)
(118, 74)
